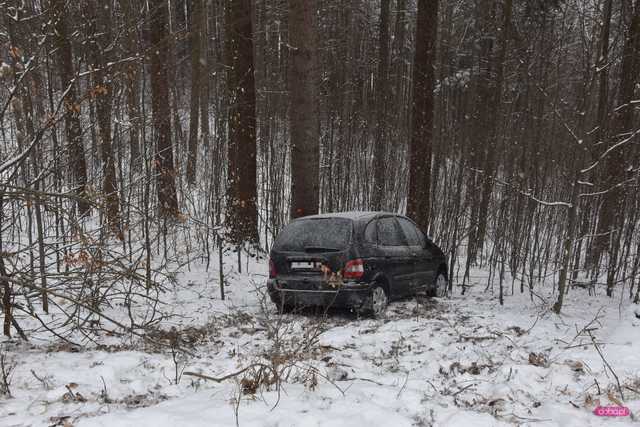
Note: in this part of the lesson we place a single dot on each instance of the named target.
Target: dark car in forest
(359, 260)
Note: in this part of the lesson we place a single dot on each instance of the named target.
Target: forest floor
(464, 361)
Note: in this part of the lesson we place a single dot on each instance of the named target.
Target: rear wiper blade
(320, 249)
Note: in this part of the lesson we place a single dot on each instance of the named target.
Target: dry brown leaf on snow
(614, 399)
(538, 359)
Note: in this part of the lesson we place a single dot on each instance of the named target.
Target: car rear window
(315, 235)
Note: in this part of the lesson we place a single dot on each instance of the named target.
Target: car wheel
(441, 286)
(378, 301)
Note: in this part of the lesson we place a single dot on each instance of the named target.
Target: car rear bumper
(351, 295)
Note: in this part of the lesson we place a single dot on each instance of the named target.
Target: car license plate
(304, 265)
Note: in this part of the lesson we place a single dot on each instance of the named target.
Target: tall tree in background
(131, 48)
(381, 102)
(195, 37)
(159, 39)
(619, 161)
(101, 49)
(242, 208)
(204, 73)
(602, 69)
(421, 142)
(483, 122)
(303, 109)
(496, 75)
(78, 175)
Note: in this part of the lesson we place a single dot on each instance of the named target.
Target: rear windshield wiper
(320, 249)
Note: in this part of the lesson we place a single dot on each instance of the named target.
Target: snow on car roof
(354, 215)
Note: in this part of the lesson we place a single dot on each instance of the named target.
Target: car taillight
(354, 269)
(272, 269)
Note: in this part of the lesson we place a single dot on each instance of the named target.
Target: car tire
(440, 288)
(378, 301)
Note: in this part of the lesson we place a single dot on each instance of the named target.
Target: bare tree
(164, 165)
(132, 77)
(78, 175)
(242, 207)
(380, 171)
(619, 159)
(421, 142)
(303, 109)
(101, 51)
(196, 38)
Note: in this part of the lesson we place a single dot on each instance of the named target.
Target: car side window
(389, 232)
(371, 233)
(413, 235)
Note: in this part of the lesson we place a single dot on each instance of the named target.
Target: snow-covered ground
(464, 361)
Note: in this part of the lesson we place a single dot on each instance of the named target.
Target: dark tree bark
(195, 36)
(132, 82)
(6, 296)
(421, 142)
(600, 242)
(204, 75)
(495, 110)
(160, 106)
(303, 109)
(242, 209)
(483, 123)
(618, 161)
(603, 70)
(380, 171)
(78, 165)
(102, 93)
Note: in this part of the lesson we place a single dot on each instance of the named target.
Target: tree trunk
(380, 171)
(495, 110)
(6, 299)
(600, 241)
(483, 123)
(159, 39)
(242, 209)
(102, 93)
(78, 166)
(618, 161)
(132, 91)
(421, 143)
(303, 109)
(567, 246)
(195, 37)
(204, 75)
